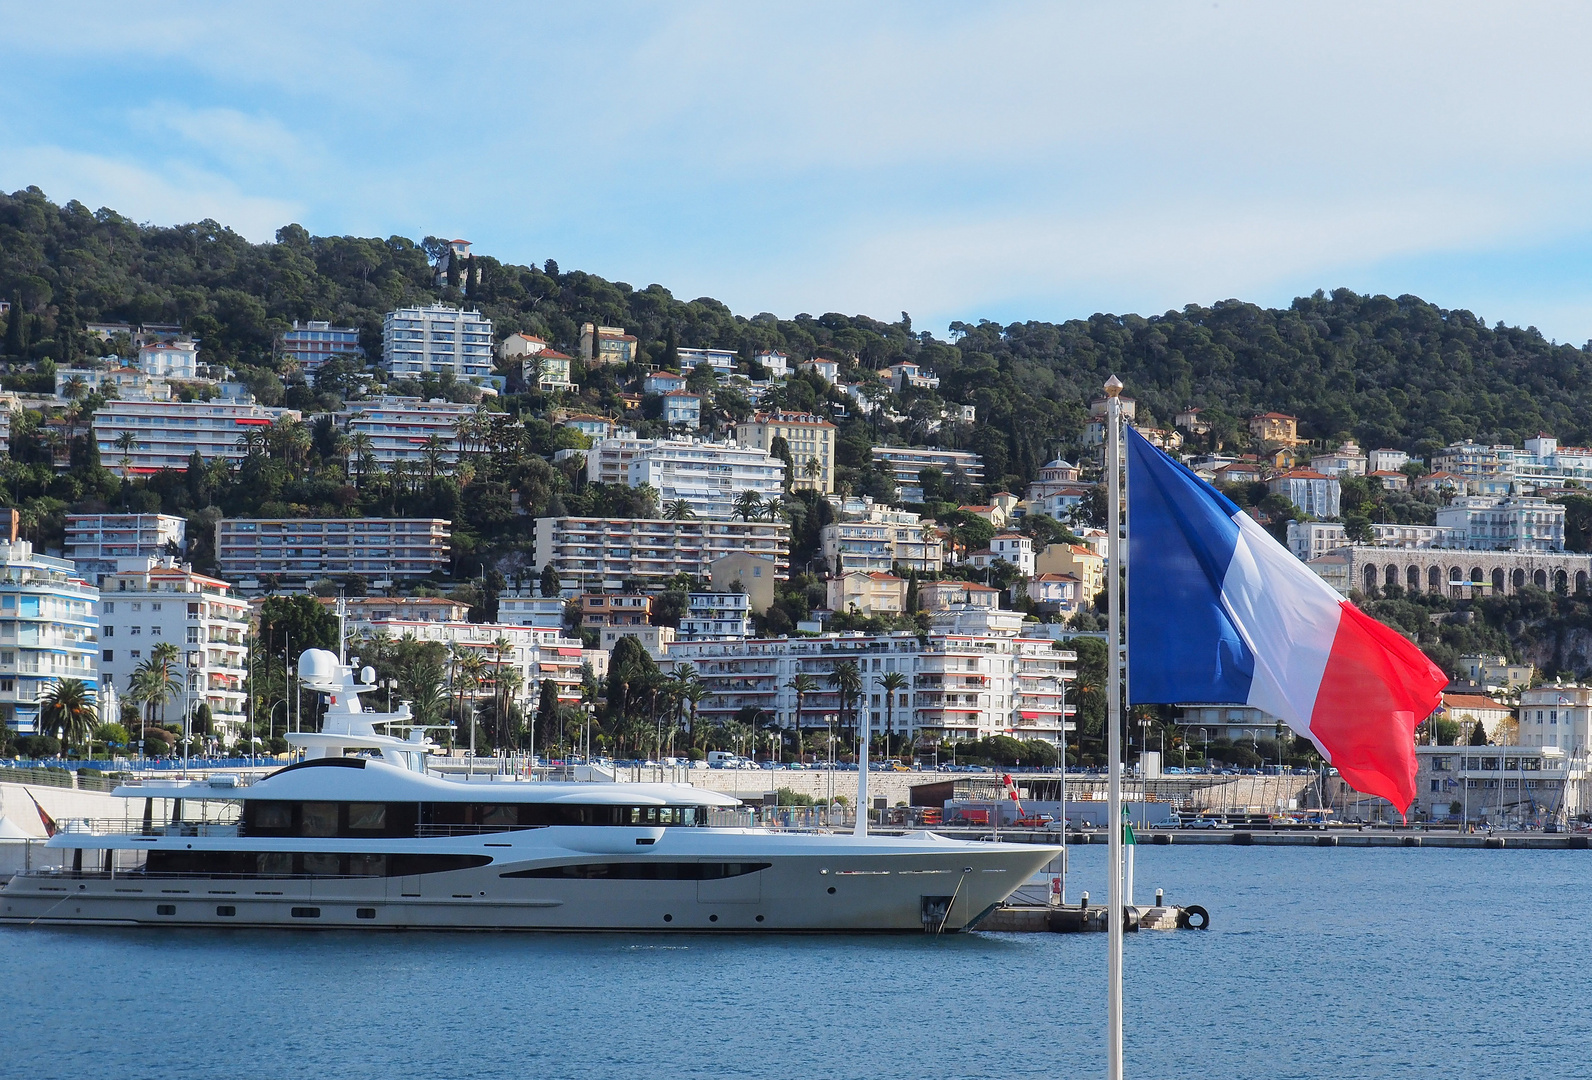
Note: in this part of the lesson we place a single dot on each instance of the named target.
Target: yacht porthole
(831, 890)
(824, 870)
(668, 918)
(713, 918)
(760, 918)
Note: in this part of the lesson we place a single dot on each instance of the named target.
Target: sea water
(1320, 962)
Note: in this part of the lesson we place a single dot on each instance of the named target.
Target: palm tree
(362, 447)
(154, 686)
(847, 680)
(892, 682)
(803, 684)
(126, 442)
(748, 504)
(813, 469)
(680, 510)
(433, 450)
(66, 708)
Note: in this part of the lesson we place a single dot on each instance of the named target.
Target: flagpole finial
(1113, 386)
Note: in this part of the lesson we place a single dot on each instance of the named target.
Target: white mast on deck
(1114, 562)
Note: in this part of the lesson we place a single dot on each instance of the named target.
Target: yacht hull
(929, 885)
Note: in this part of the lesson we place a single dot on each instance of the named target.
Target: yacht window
(366, 865)
(275, 863)
(271, 815)
(322, 863)
(320, 819)
(500, 815)
(368, 816)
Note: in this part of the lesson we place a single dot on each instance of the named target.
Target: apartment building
(168, 433)
(1513, 523)
(123, 383)
(165, 602)
(1312, 539)
(1076, 560)
(868, 593)
(776, 363)
(400, 429)
(906, 373)
(1346, 460)
(1386, 460)
(535, 653)
(314, 342)
(603, 553)
(437, 339)
(48, 630)
(169, 359)
(716, 615)
(945, 595)
(302, 550)
(97, 543)
(879, 540)
(531, 609)
(811, 442)
(722, 361)
(1557, 715)
(410, 609)
(708, 476)
(959, 686)
(907, 462)
(606, 609)
(681, 408)
(607, 345)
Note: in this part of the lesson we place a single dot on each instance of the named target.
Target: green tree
(297, 621)
(66, 708)
(550, 584)
(892, 683)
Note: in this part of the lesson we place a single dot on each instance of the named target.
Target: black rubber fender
(1193, 917)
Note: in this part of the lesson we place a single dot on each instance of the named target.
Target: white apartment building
(608, 460)
(1515, 523)
(777, 364)
(536, 653)
(314, 342)
(301, 550)
(1386, 461)
(811, 442)
(707, 475)
(1559, 716)
(881, 540)
(603, 553)
(716, 615)
(722, 361)
(170, 359)
(401, 427)
(165, 602)
(1312, 539)
(96, 543)
(959, 686)
(906, 462)
(124, 383)
(681, 408)
(1346, 460)
(48, 630)
(437, 339)
(1014, 548)
(531, 609)
(168, 433)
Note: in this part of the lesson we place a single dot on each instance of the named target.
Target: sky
(953, 161)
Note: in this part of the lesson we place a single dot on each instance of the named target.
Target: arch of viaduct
(1462, 573)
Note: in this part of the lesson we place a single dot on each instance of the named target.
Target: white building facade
(301, 550)
(437, 339)
(48, 631)
(400, 429)
(98, 543)
(603, 553)
(168, 433)
(709, 476)
(164, 601)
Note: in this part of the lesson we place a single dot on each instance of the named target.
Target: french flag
(1220, 613)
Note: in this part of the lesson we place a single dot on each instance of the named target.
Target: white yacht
(360, 835)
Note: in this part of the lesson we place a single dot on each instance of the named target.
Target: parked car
(1207, 823)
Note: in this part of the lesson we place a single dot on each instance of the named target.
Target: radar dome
(367, 675)
(318, 666)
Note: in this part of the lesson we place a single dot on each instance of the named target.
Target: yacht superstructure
(359, 834)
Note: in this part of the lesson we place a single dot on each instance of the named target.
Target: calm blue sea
(1329, 963)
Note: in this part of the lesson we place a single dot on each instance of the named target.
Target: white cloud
(167, 192)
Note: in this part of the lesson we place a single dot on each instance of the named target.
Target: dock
(1302, 837)
(1086, 918)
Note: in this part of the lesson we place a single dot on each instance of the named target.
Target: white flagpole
(1114, 913)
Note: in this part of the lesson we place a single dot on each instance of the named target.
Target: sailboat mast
(1114, 546)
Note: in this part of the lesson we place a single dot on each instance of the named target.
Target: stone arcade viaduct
(1457, 572)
